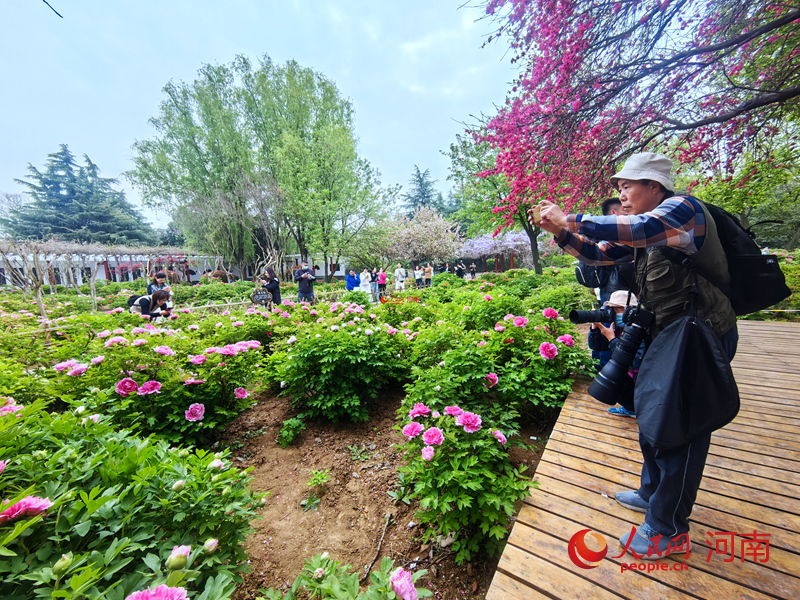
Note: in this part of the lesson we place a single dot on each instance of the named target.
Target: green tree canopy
(254, 155)
(73, 203)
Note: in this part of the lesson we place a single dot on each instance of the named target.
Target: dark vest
(663, 286)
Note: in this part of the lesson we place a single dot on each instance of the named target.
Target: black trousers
(670, 479)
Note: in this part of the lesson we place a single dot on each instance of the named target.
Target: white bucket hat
(620, 299)
(647, 165)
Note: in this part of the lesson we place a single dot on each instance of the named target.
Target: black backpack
(132, 300)
(757, 281)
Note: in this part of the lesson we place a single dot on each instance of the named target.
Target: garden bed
(350, 518)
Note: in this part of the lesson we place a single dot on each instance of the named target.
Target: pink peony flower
(98, 359)
(492, 379)
(567, 340)
(79, 369)
(216, 464)
(66, 365)
(240, 393)
(149, 387)
(237, 323)
(433, 437)
(500, 437)
(3, 464)
(508, 317)
(165, 350)
(508, 341)
(138, 330)
(452, 411)
(469, 421)
(499, 327)
(225, 313)
(118, 331)
(211, 350)
(412, 430)
(427, 452)
(253, 344)
(368, 332)
(418, 409)
(30, 506)
(127, 386)
(402, 585)
(193, 381)
(115, 340)
(520, 321)
(193, 327)
(228, 350)
(104, 334)
(550, 313)
(198, 360)
(210, 546)
(487, 297)
(548, 350)
(139, 342)
(195, 412)
(161, 592)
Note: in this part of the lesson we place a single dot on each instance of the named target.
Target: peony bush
(463, 479)
(98, 510)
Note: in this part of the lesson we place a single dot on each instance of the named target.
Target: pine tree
(73, 203)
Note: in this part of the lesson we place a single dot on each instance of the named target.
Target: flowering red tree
(604, 79)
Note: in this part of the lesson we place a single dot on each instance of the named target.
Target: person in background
(607, 278)
(159, 283)
(399, 278)
(418, 275)
(447, 268)
(152, 305)
(473, 270)
(305, 282)
(352, 281)
(382, 275)
(460, 269)
(272, 284)
(373, 279)
(428, 275)
(603, 340)
(366, 285)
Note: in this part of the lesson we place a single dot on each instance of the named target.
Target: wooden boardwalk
(751, 483)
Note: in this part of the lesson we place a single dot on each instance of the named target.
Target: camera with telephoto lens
(610, 381)
(601, 315)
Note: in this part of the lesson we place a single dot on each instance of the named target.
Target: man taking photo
(657, 218)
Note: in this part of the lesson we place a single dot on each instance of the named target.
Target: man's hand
(552, 217)
(608, 332)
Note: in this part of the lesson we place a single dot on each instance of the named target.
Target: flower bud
(215, 479)
(179, 557)
(63, 564)
(178, 485)
(226, 491)
(39, 454)
(210, 546)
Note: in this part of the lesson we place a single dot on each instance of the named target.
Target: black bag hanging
(685, 386)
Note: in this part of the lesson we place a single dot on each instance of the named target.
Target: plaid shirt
(678, 222)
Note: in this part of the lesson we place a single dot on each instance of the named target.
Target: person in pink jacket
(381, 283)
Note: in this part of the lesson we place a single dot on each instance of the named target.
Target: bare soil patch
(351, 514)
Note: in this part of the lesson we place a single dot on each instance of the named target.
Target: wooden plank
(780, 560)
(786, 471)
(706, 497)
(608, 574)
(766, 492)
(756, 435)
(713, 517)
(705, 580)
(504, 587)
(547, 578)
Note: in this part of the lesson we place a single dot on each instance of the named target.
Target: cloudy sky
(414, 70)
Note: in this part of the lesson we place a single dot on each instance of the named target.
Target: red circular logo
(581, 555)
